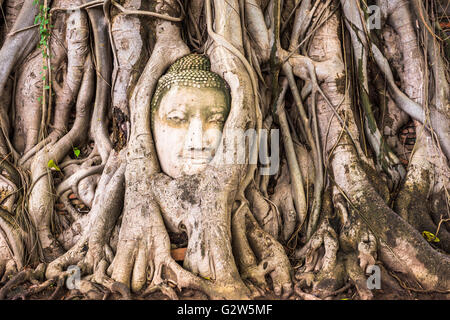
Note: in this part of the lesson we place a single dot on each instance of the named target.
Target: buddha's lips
(198, 160)
(199, 157)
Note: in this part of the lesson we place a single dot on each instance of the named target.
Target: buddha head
(189, 110)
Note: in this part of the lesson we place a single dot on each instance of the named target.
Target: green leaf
(52, 165)
(430, 237)
(76, 152)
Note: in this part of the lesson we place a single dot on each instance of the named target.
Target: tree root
(249, 268)
(33, 290)
(232, 218)
(265, 212)
(356, 274)
(21, 277)
(273, 259)
(303, 295)
(323, 268)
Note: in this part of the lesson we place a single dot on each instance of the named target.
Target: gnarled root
(93, 245)
(323, 268)
(34, 276)
(272, 257)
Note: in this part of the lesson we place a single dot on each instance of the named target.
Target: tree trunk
(327, 86)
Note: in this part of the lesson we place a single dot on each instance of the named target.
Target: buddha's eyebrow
(217, 109)
(176, 107)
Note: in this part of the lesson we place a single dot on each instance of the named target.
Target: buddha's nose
(194, 138)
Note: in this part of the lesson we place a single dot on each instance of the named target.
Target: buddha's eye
(176, 118)
(216, 118)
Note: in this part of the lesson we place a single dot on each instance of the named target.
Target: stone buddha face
(187, 128)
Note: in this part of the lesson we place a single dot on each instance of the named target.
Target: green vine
(42, 19)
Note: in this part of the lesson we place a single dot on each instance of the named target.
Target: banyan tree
(262, 139)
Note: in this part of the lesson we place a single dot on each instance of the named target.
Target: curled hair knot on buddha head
(193, 70)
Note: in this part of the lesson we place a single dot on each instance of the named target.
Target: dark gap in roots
(178, 245)
(63, 215)
(178, 240)
(119, 129)
(374, 96)
(407, 136)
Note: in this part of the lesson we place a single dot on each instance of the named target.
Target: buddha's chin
(194, 166)
(187, 168)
